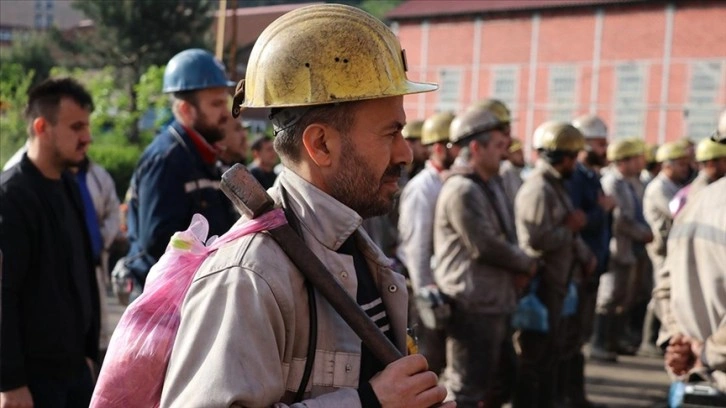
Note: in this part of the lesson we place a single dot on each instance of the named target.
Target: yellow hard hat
(707, 150)
(413, 130)
(325, 53)
(473, 122)
(436, 128)
(625, 148)
(515, 146)
(560, 136)
(650, 153)
(495, 106)
(591, 126)
(671, 151)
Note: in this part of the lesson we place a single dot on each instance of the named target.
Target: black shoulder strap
(313, 329)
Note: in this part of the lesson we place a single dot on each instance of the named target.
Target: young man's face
(371, 157)
(234, 144)
(267, 155)
(420, 152)
(70, 136)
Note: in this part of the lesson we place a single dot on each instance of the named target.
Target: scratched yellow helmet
(495, 106)
(413, 130)
(625, 148)
(436, 128)
(707, 150)
(671, 151)
(560, 136)
(515, 146)
(321, 54)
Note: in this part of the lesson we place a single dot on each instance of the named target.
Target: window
(562, 92)
(49, 5)
(630, 93)
(702, 109)
(49, 20)
(505, 84)
(449, 89)
(6, 35)
(39, 21)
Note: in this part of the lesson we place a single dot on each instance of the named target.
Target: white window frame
(562, 102)
(702, 109)
(629, 110)
(451, 83)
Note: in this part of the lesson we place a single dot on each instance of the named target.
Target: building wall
(653, 70)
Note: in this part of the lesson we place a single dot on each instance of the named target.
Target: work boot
(614, 340)
(577, 396)
(598, 352)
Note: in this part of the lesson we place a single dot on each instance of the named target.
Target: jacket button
(344, 275)
(392, 288)
(348, 368)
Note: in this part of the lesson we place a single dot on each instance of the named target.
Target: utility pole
(233, 46)
(221, 20)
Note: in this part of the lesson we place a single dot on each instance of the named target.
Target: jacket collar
(324, 218)
(328, 220)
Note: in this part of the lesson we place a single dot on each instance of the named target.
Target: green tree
(31, 52)
(133, 35)
(15, 81)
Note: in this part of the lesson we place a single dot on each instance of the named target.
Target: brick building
(653, 69)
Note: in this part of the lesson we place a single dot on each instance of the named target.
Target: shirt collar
(206, 151)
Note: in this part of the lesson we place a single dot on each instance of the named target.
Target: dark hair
(258, 142)
(288, 141)
(44, 99)
(555, 157)
(189, 97)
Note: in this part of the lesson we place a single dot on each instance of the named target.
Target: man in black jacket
(49, 322)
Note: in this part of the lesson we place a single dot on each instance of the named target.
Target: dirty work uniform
(540, 210)
(244, 329)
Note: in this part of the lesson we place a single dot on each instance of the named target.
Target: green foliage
(379, 8)
(32, 52)
(15, 81)
(119, 161)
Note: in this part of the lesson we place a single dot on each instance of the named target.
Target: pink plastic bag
(139, 351)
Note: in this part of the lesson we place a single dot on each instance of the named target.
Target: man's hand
(606, 202)
(408, 383)
(17, 398)
(678, 356)
(575, 220)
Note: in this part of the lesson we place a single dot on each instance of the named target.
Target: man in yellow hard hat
(478, 261)
(711, 157)
(675, 160)
(412, 133)
(548, 227)
(334, 77)
(416, 237)
(629, 232)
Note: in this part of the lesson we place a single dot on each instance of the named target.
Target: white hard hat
(591, 126)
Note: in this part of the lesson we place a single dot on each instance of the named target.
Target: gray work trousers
(473, 348)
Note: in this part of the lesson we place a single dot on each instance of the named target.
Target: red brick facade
(623, 82)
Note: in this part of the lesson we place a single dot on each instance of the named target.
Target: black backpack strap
(294, 223)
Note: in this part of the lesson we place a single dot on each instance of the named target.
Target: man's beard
(593, 159)
(210, 133)
(356, 187)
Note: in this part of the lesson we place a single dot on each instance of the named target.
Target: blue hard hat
(194, 69)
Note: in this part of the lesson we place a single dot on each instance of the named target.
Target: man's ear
(40, 125)
(187, 111)
(316, 140)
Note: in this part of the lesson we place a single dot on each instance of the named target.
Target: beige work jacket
(626, 229)
(244, 329)
(540, 209)
(476, 263)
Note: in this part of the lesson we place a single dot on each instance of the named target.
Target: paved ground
(632, 382)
